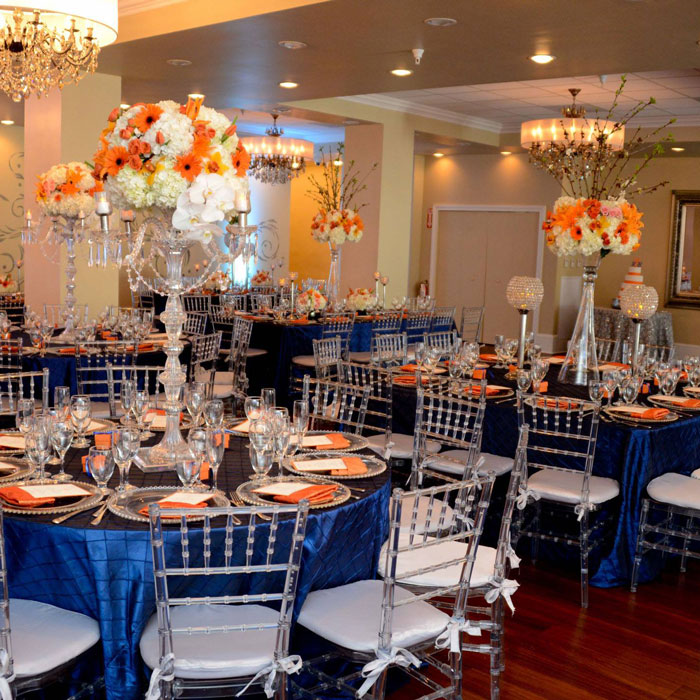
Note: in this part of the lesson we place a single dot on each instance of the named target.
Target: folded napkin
(17, 496)
(143, 347)
(298, 321)
(204, 471)
(337, 319)
(103, 440)
(12, 442)
(682, 401)
(544, 386)
(476, 390)
(84, 459)
(479, 373)
(71, 351)
(172, 504)
(321, 493)
(561, 404)
(250, 317)
(488, 357)
(354, 466)
(338, 442)
(642, 412)
(411, 367)
(106, 335)
(410, 381)
(243, 427)
(7, 348)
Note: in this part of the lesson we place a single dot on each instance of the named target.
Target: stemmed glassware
(269, 400)
(281, 433)
(523, 379)
(126, 398)
(261, 461)
(214, 413)
(215, 445)
(125, 445)
(538, 371)
(253, 407)
(25, 415)
(195, 396)
(629, 388)
(61, 439)
(61, 401)
(80, 417)
(510, 352)
(140, 409)
(668, 381)
(100, 464)
(187, 471)
(499, 349)
(197, 442)
(37, 444)
(596, 390)
(609, 377)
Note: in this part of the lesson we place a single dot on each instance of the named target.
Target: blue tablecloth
(632, 456)
(106, 572)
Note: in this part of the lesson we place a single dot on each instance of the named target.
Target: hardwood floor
(624, 647)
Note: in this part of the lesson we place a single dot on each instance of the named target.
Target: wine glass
(281, 435)
(194, 400)
(253, 407)
(100, 464)
(419, 353)
(80, 416)
(25, 415)
(630, 387)
(197, 442)
(61, 439)
(61, 400)
(539, 371)
(300, 415)
(187, 469)
(126, 398)
(261, 461)
(523, 379)
(596, 390)
(125, 445)
(37, 444)
(498, 342)
(609, 377)
(269, 399)
(668, 382)
(215, 444)
(214, 413)
(260, 434)
(140, 409)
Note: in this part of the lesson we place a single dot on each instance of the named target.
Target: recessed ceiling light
(677, 149)
(7, 122)
(282, 108)
(124, 105)
(292, 45)
(542, 58)
(351, 122)
(506, 153)
(288, 84)
(179, 62)
(440, 21)
(196, 95)
(437, 154)
(402, 72)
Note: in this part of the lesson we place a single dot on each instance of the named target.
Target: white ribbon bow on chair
(159, 675)
(372, 670)
(451, 634)
(521, 500)
(5, 680)
(581, 509)
(387, 449)
(513, 558)
(505, 588)
(289, 664)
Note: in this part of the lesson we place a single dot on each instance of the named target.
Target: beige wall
(11, 199)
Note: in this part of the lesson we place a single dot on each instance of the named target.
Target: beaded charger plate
(246, 491)
(357, 442)
(129, 504)
(91, 496)
(673, 402)
(630, 418)
(374, 465)
(13, 469)
(12, 436)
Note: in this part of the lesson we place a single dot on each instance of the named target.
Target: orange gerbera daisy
(40, 195)
(145, 119)
(114, 160)
(240, 160)
(189, 166)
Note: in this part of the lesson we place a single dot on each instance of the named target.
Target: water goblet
(126, 398)
(197, 442)
(253, 407)
(609, 377)
(38, 443)
(523, 379)
(61, 400)
(668, 383)
(281, 435)
(61, 438)
(596, 390)
(419, 353)
(300, 415)
(100, 464)
(141, 406)
(80, 417)
(25, 415)
(630, 387)
(269, 398)
(214, 413)
(215, 444)
(125, 445)
(260, 434)
(194, 400)
(261, 461)
(187, 469)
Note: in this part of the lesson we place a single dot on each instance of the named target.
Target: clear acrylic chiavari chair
(237, 637)
(235, 379)
(195, 324)
(327, 357)
(39, 643)
(234, 302)
(384, 323)
(340, 325)
(23, 385)
(11, 354)
(470, 326)
(196, 302)
(222, 321)
(55, 314)
(262, 302)
(335, 406)
(205, 353)
(607, 350)
(146, 378)
(389, 350)
(417, 325)
(558, 480)
(382, 624)
(443, 319)
(442, 340)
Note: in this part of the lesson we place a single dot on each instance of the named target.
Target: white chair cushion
(696, 474)
(422, 523)
(99, 409)
(442, 552)
(452, 462)
(403, 445)
(44, 637)
(364, 356)
(219, 654)
(675, 489)
(222, 392)
(304, 360)
(224, 378)
(255, 352)
(350, 616)
(565, 487)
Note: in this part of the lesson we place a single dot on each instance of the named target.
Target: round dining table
(106, 572)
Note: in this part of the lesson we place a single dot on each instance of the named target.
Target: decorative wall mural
(11, 215)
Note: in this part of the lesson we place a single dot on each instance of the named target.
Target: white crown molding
(443, 115)
(133, 7)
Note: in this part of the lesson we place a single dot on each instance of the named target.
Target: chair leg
(281, 690)
(583, 544)
(496, 643)
(535, 542)
(456, 664)
(639, 551)
(688, 524)
(380, 686)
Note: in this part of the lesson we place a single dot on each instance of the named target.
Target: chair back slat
(196, 302)
(389, 349)
(23, 385)
(472, 321)
(336, 406)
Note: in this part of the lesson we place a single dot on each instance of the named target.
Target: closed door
(478, 253)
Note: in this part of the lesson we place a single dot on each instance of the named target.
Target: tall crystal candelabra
(170, 245)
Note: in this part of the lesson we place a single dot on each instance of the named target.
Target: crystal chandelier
(275, 159)
(53, 43)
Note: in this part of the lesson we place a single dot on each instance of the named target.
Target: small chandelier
(573, 130)
(53, 43)
(274, 159)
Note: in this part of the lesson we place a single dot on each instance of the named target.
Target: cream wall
(11, 200)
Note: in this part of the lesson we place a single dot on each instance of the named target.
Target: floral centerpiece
(311, 302)
(593, 164)
(67, 190)
(262, 278)
(182, 159)
(361, 299)
(338, 219)
(217, 282)
(8, 285)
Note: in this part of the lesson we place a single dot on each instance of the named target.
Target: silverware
(65, 517)
(236, 520)
(237, 500)
(355, 488)
(100, 514)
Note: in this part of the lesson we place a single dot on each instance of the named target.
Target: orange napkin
(355, 466)
(204, 471)
(645, 388)
(320, 493)
(70, 351)
(84, 462)
(488, 357)
(410, 381)
(161, 412)
(337, 440)
(476, 390)
(337, 319)
(561, 404)
(512, 368)
(653, 413)
(143, 347)
(411, 367)
(17, 496)
(103, 440)
(479, 373)
(173, 504)
(298, 321)
(689, 403)
(106, 335)
(543, 387)
(6, 348)
(250, 317)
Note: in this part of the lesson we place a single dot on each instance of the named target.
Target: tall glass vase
(333, 284)
(581, 364)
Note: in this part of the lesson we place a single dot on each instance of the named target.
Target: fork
(238, 501)
(65, 517)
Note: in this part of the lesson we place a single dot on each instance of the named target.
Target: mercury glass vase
(333, 284)
(581, 364)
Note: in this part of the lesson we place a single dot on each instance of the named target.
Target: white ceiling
(254, 124)
(501, 107)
